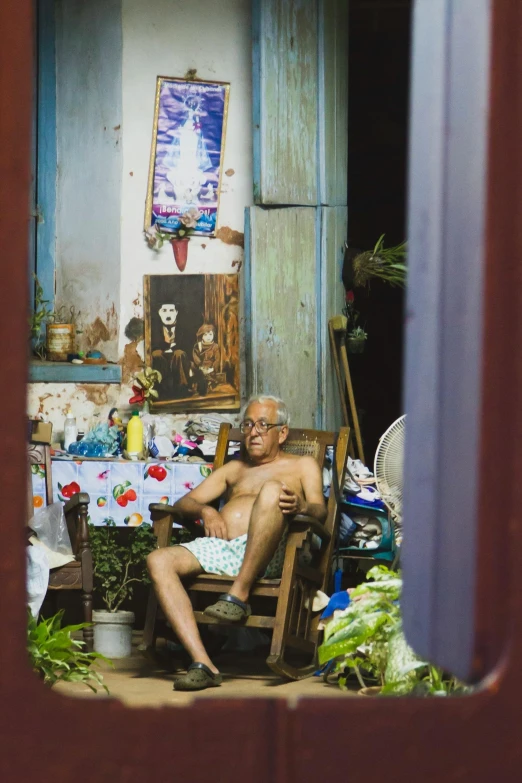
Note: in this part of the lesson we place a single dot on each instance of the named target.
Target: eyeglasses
(261, 426)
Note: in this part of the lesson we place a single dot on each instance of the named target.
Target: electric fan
(388, 470)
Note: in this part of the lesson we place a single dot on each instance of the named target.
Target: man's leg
(266, 528)
(167, 567)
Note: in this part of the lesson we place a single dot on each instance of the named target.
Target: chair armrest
(164, 509)
(302, 522)
(81, 498)
(161, 511)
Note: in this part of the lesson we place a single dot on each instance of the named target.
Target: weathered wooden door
(295, 234)
(47, 738)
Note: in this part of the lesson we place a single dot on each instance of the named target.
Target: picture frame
(192, 338)
(187, 151)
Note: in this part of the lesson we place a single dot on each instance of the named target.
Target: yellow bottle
(135, 435)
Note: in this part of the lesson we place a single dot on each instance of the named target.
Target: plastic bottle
(135, 434)
(70, 433)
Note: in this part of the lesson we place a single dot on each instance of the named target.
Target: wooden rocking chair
(284, 605)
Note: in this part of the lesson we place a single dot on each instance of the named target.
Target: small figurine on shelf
(143, 387)
(114, 420)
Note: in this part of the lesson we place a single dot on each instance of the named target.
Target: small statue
(114, 420)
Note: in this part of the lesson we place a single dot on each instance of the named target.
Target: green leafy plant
(368, 639)
(388, 264)
(118, 567)
(56, 656)
(40, 316)
(357, 333)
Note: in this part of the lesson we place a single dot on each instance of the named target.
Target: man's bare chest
(249, 480)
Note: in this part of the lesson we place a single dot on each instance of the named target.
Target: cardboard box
(40, 431)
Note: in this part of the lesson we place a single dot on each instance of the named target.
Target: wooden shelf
(65, 372)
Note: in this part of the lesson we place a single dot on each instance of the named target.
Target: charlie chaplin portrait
(191, 337)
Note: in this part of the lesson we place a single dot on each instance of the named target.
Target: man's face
(168, 314)
(263, 448)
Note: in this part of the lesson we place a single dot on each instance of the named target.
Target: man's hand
(289, 502)
(214, 524)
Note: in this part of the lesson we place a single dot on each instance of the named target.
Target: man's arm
(312, 504)
(195, 504)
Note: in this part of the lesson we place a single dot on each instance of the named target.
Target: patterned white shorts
(224, 558)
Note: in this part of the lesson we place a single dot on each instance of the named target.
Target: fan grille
(388, 468)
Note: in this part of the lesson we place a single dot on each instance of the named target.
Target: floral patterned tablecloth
(119, 490)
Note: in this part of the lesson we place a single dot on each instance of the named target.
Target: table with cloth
(119, 489)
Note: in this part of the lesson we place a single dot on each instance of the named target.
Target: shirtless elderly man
(246, 538)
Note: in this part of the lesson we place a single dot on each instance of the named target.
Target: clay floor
(139, 682)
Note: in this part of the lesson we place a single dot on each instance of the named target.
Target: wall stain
(101, 331)
(95, 392)
(230, 237)
(41, 401)
(230, 172)
(131, 362)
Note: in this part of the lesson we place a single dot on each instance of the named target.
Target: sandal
(197, 678)
(228, 609)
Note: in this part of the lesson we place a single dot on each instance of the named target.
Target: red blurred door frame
(45, 737)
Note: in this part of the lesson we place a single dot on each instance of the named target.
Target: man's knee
(155, 562)
(270, 492)
(162, 561)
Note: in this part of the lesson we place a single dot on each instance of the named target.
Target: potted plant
(356, 340)
(355, 336)
(40, 316)
(55, 656)
(367, 638)
(118, 567)
(178, 237)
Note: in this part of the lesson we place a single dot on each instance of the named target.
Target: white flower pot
(113, 633)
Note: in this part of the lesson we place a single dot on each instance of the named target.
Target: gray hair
(282, 414)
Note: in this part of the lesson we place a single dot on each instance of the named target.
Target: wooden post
(337, 328)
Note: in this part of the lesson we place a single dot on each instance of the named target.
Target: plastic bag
(51, 529)
(37, 578)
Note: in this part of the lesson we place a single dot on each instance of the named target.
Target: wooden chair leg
(285, 606)
(149, 636)
(88, 633)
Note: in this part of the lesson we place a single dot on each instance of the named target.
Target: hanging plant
(387, 264)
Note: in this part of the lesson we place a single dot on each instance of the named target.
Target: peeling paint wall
(110, 53)
(170, 37)
(88, 183)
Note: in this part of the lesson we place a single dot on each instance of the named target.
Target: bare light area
(138, 682)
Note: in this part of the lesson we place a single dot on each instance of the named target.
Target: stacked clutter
(204, 429)
(195, 442)
(358, 527)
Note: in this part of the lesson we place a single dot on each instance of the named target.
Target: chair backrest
(302, 442)
(39, 454)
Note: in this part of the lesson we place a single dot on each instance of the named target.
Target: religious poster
(186, 160)
(192, 338)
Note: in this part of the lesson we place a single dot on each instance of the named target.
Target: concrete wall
(109, 54)
(88, 197)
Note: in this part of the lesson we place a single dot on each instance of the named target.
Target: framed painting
(186, 159)
(192, 338)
